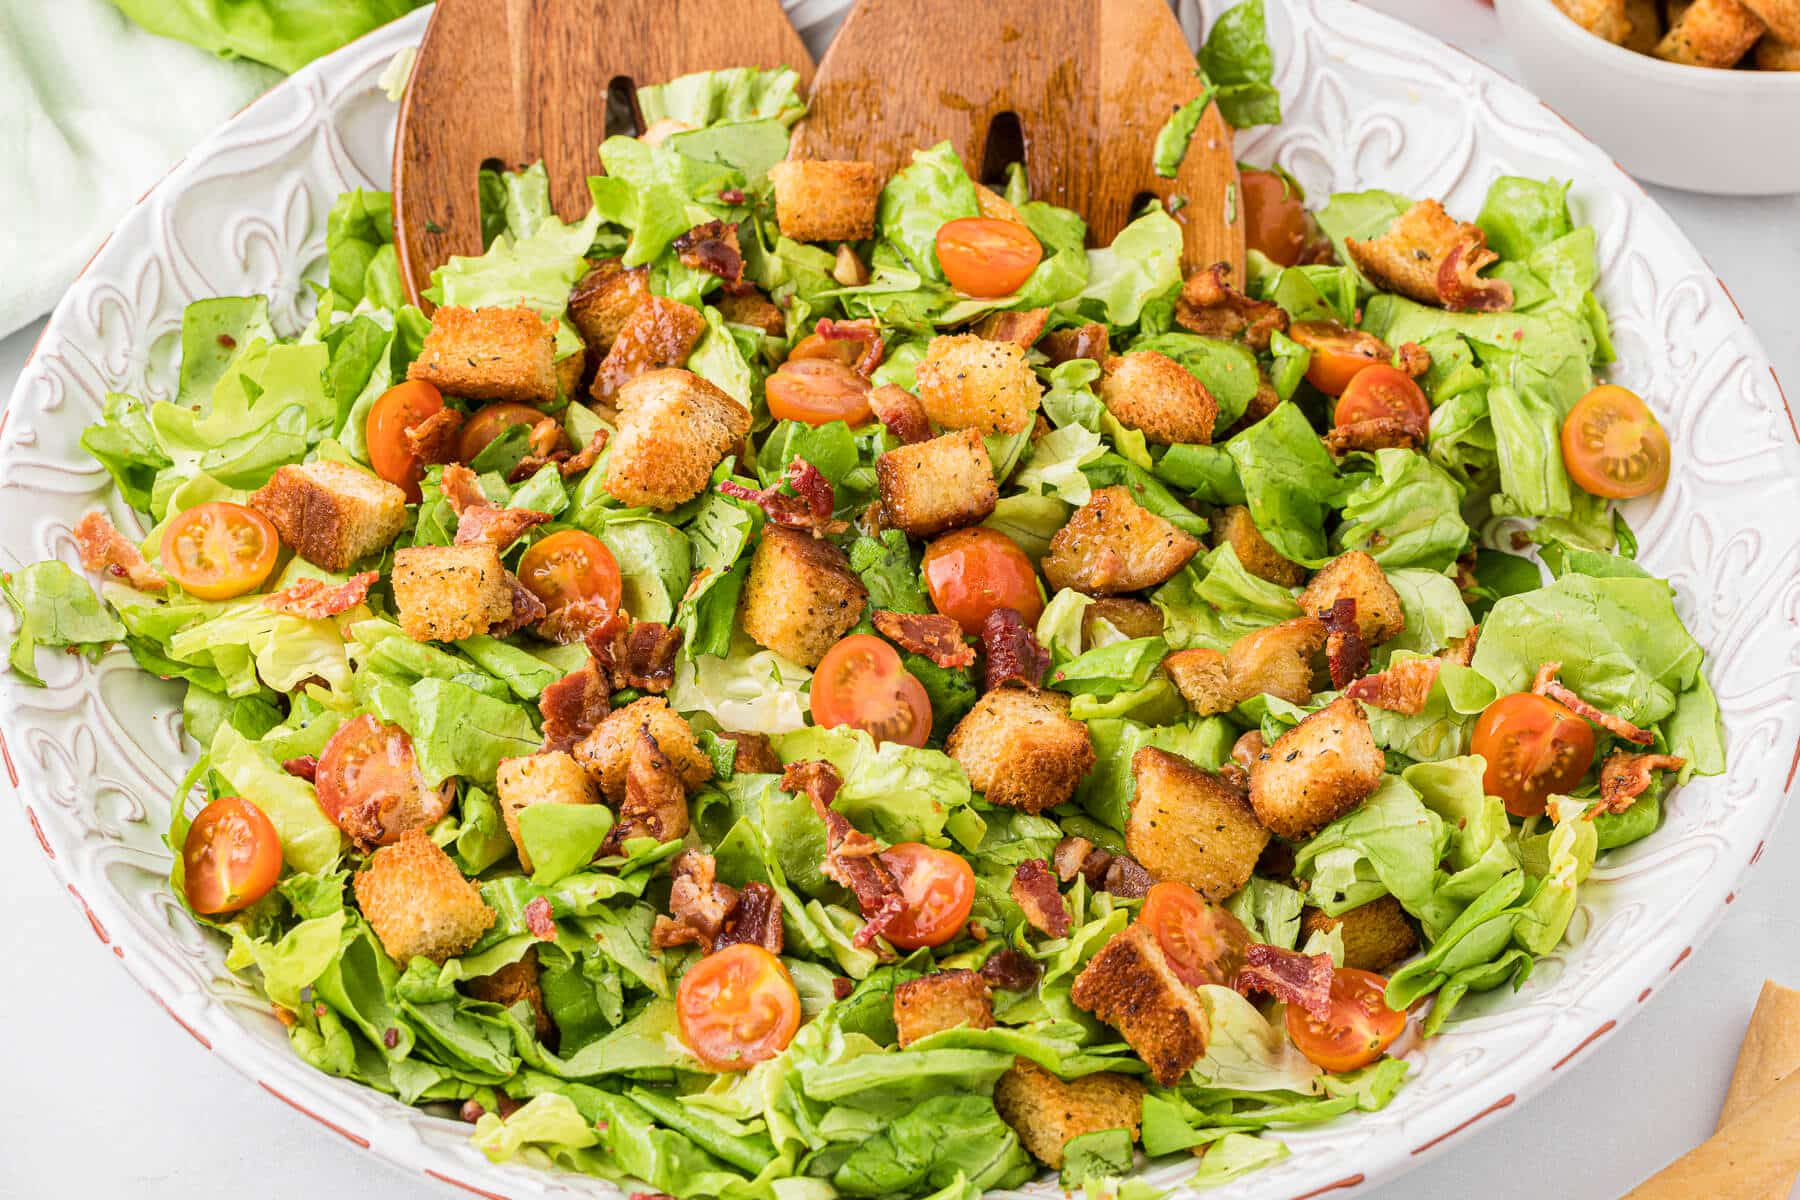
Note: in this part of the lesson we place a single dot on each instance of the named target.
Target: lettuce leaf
(284, 34)
(55, 607)
(918, 200)
(1142, 264)
(1404, 513)
(1289, 481)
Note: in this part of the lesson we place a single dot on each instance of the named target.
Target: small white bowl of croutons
(1703, 96)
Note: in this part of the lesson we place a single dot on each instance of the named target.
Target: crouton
(945, 483)
(1020, 748)
(1711, 33)
(447, 593)
(1133, 618)
(331, 514)
(1131, 987)
(1781, 16)
(1353, 574)
(674, 427)
(941, 1000)
(1047, 1112)
(1773, 54)
(1113, 544)
(548, 778)
(1156, 395)
(606, 752)
(604, 298)
(1234, 526)
(1429, 256)
(659, 333)
(568, 373)
(1646, 26)
(418, 903)
(968, 382)
(754, 309)
(1317, 771)
(1376, 935)
(1189, 825)
(1200, 676)
(512, 983)
(1602, 18)
(489, 354)
(825, 201)
(800, 596)
(1277, 660)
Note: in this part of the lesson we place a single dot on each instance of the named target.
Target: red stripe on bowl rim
(99, 929)
(176, 1017)
(1682, 957)
(43, 842)
(305, 1111)
(1792, 766)
(1590, 1039)
(467, 1187)
(1503, 1102)
(1348, 1181)
(12, 772)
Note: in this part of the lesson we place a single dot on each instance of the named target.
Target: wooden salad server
(1076, 88)
(518, 80)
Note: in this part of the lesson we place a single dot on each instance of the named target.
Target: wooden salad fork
(515, 81)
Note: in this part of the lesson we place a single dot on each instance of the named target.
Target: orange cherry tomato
(861, 683)
(938, 888)
(1203, 942)
(1338, 353)
(819, 391)
(231, 856)
(1382, 390)
(986, 256)
(369, 783)
(1535, 748)
(1274, 218)
(400, 408)
(971, 572)
(737, 1007)
(489, 423)
(1359, 1028)
(1614, 446)
(219, 550)
(568, 566)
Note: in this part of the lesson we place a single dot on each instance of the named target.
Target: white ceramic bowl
(1732, 133)
(92, 758)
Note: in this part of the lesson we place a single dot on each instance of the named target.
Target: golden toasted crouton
(1711, 33)
(945, 483)
(1376, 935)
(1781, 16)
(331, 514)
(568, 373)
(1133, 618)
(674, 427)
(603, 299)
(512, 983)
(418, 903)
(1200, 676)
(801, 595)
(606, 752)
(659, 333)
(754, 309)
(548, 778)
(1153, 393)
(1317, 771)
(446, 593)
(825, 201)
(489, 354)
(1277, 660)
(1355, 575)
(1189, 825)
(1113, 544)
(1131, 987)
(1235, 526)
(1021, 748)
(941, 1000)
(1646, 26)
(1602, 18)
(968, 382)
(1047, 1112)
(1433, 258)
(1773, 54)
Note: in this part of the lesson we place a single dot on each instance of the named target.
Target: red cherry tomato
(489, 423)
(1203, 942)
(219, 550)
(1358, 1029)
(737, 1007)
(861, 683)
(1535, 748)
(1614, 446)
(1274, 218)
(819, 391)
(231, 857)
(938, 888)
(400, 408)
(369, 783)
(568, 566)
(987, 257)
(971, 572)
(1382, 390)
(1337, 353)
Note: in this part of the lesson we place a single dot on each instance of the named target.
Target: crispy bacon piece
(1624, 777)
(1119, 874)
(1429, 256)
(1547, 684)
(1012, 651)
(548, 444)
(635, 654)
(842, 986)
(1302, 979)
(462, 489)
(573, 621)
(103, 548)
(1402, 688)
(865, 331)
(658, 333)
(1244, 752)
(305, 767)
(496, 527)
(851, 856)
(698, 902)
(527, 609)
(1019, 328)
(312, 599)
(539, 920)
(1413, 359)
(574, 706)
(1461, 651)
(901, 412)
(1376, 433)
(655, 803)
(934, 635)
(754, 754)
(1084, 341)
(1034, 890)
(585, 457)
(756, 919)
(1010, 970)
(435, 439)
(810, 507)
(1071, 856)
(1210, 306)
(547, 436)
(1345, 653)
(713, 248)
(1126, 877)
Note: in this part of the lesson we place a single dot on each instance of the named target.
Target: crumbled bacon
(655, 803)
(901, 412)
(1211, 307)
(574, 706)
(104, 548)
(1125, 877)
(1429, 256)
(1302, 979)
(1019, 328)
(572, 622)
(436, 438)
(698, 902)
(1244, 752)
(1413, 359)
(754, 754)
(934, 635)
(1461, 651)
(526, 609)
(1012, 650)
(539, 920)
(809, 508)
(865, 331)
(1119, 874)
(1071, 856)
(312, 599)
(1010, 970)
(496, 527)
(1084, 341)
(1402, 688)
(842, 986)
(1345, 653)
(713, 248)
(851, 856)
(1624, 777)
(756, 919)
(305, 767)
(635, 654)
(548, 444)
(1547, 684)
(1462, 289)
(584, 458)
(462, 488)
(1376, 433)
(1034, 890)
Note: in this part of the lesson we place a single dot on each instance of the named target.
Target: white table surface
(109, 1098)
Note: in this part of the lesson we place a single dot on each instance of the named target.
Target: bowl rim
(1719, 81)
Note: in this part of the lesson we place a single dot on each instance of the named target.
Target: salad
(796, 664)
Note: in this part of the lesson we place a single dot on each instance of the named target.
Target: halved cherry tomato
(737, 1007)
(1338, 353)
(1535, 748)
(1382, 391)
(1359, 1027)
(1274, 218)
(938, 888)
(400, 408)
(1203, 942)
(490, 422)
(983, 256)
(231, 856)
(847, 351)
(1614, 446)
(971, 572)
(570, 565)
(370, 786)
(861, 683)
(219, 550)
(819, 391)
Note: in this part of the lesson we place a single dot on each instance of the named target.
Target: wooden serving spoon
(520, 80)
(1076, 88)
